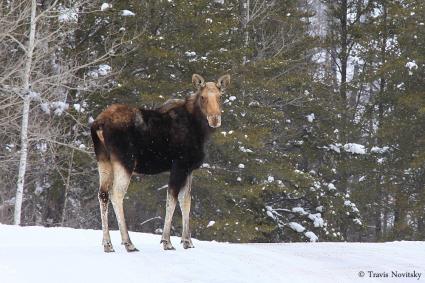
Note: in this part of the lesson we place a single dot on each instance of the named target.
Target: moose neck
(199, 118)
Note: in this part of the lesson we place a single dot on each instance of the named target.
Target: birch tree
(25, 114)
(41, 75)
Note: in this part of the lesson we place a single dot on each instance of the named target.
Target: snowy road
(36, 254)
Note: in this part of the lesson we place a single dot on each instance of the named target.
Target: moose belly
(152, 163)
(155, 162)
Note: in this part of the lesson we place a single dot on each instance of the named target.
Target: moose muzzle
(214, 121)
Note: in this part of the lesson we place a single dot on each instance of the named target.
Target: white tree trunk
(25, 117)
(245, 21)
(245, 27)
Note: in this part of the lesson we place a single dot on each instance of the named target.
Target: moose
(129, 140)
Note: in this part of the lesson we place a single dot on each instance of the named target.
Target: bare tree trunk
(245, 21)
(380, 200)
(25, 117)
(401, 226)
(245, 27)
(68, 179)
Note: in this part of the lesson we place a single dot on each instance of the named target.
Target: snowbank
(36, 254)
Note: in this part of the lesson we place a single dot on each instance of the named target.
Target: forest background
(323, 127)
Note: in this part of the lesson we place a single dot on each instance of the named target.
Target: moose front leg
(169, 211)
(184, 201)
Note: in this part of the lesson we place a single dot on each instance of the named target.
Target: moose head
(209, 97)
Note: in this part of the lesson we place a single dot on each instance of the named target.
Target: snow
(270, 214)
(355, 148)
(58, 106)
(67, 15)
(244, 149)
(254, 103)
(45, 108)
(36, 254)
(311, 117)
(311, 236)
(331, 187)
(9, 147)
(317, 219)
(270, 179)
(351, 205)
(296, 227)
(232, 98)
(34, 95)
(335, 147)
(377, 149)
(411, 65)
(127, 13)
(41, 146)
(105, 6)
(38, 190)
(190, 53)
(104, 69)
(241, 166)
(211, 223)
(77, 107)
(299, 210)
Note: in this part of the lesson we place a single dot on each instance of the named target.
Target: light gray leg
(169, 211)
(106, 241)
(105, 180)
(119, 189)
(184, 201)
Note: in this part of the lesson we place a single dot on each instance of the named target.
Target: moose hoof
(167, 245)
(108, 248)
(187, 244)
(130, 247)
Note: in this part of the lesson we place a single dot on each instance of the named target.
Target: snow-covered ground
(36, 254)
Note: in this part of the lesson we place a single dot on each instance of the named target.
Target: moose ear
(198, 81)
(223, 82)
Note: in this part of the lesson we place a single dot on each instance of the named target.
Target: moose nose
(214, 121)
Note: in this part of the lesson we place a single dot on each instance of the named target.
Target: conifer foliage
(322, 131)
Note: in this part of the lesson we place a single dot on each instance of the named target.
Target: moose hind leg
(184, 201)
(105, 180)
(169, 211)
(119, 189)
